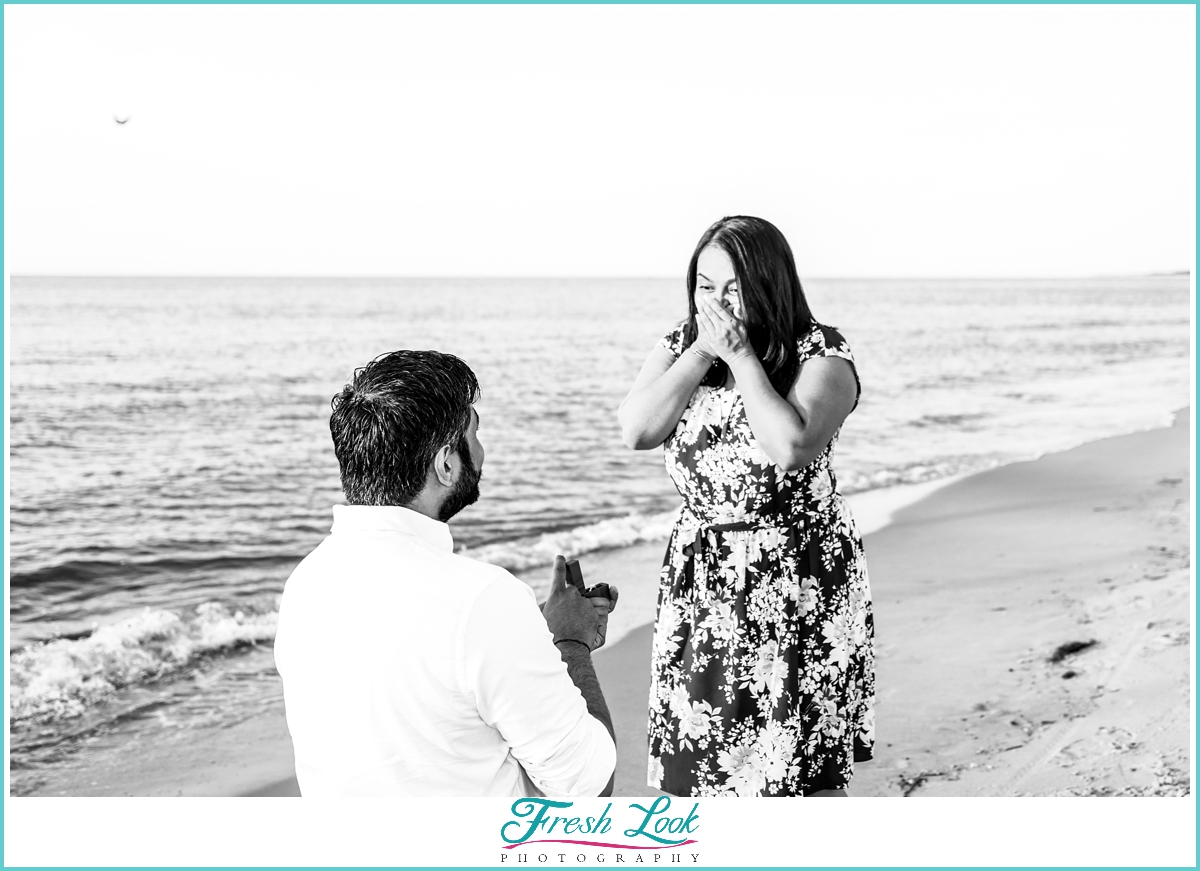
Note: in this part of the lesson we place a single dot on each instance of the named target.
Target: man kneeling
(410, 670)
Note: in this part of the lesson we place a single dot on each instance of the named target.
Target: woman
(763, 667)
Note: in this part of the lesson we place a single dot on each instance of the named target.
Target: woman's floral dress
(763, 675)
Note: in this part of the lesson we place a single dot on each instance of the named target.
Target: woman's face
(716, 279)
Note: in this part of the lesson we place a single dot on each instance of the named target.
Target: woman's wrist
(708, 359)
(561, 641)
(742, 359)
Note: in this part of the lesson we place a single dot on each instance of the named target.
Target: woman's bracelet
(707, 359)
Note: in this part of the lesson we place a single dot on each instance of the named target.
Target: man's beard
(466, 488)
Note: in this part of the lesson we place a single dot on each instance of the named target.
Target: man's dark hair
(393, 417)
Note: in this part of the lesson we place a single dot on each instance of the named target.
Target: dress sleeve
(673, 341)
(522, 689)
(825, 341)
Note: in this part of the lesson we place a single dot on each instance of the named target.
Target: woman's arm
(659, 396)
(791, 431)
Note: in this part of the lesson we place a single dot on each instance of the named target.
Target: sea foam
(63, 678)
(540, 550)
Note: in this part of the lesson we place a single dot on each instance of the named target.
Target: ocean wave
(70, 676)
(75, 572)
(853, 481)
(540, 550)
(948, 419)
(64, 678)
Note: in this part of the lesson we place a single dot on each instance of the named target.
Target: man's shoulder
(498, 581)
(439, 576)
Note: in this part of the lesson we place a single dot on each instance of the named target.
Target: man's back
(409, 670)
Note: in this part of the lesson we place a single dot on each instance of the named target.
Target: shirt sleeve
(673, 341)
(522, 689)
(824, 341)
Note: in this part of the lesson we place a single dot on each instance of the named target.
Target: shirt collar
(392, 518)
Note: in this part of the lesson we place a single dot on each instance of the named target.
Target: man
(410, 670)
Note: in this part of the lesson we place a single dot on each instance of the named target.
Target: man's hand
(569, 615)
(604, 606)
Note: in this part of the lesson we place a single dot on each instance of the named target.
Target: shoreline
(977, 581)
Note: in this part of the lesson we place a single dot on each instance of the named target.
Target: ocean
(170, 460)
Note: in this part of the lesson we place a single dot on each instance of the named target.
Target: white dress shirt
(410, 670)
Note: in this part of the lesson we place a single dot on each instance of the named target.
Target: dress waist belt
(697, 546)
(698, 541)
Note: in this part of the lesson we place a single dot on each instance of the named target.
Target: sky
(884, 141)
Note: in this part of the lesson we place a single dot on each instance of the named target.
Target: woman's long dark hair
(773, 302)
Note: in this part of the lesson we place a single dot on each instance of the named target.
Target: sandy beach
(1033, 631)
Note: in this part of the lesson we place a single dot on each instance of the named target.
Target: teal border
(4, 300)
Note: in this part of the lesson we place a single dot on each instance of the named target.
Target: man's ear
(442, 467)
